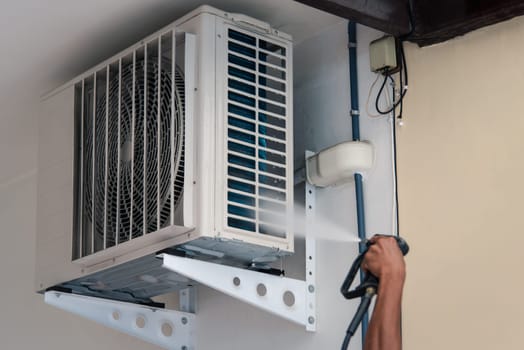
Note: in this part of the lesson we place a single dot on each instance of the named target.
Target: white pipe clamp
(336, 165)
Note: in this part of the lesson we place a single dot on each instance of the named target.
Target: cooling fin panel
(257, 138)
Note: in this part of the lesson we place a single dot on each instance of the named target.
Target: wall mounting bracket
(291, 299)
(166, 328)
(288, 298)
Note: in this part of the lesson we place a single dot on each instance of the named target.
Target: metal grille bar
(173, 131)
(108, 71)
(80, 227)
(93, 176)
(158, 132)
(117, 233)
(133, 122)
(144, 183)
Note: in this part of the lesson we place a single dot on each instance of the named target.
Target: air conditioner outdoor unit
(180, 143)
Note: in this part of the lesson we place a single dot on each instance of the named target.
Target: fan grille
(129, 155)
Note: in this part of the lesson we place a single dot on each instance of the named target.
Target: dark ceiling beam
(433, 21)
(437, 21)
(389, 16)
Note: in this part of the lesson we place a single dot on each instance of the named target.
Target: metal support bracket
(187, 299)
(311, 250)
(289, 298)
(169, 329)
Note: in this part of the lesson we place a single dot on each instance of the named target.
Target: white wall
(26, 322)
(321, 120)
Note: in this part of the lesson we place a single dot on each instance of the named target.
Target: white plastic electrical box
(383, 54)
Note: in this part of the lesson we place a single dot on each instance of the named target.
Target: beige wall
(461, 161)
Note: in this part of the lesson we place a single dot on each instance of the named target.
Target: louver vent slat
(130, 172)
(257, 134)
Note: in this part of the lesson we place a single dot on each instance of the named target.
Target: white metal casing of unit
(204, 36)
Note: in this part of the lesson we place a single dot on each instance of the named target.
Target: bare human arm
(385, 260)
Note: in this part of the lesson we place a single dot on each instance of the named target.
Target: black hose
(355, 322)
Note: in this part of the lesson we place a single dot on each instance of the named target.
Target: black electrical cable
(395, 170)
(403, 83)
(404, 70)
(401, 109)
(411, 22)
(401, 99)
(403, 73)
(395, 105)
(386, 76)
(404, 65)
(395, 173)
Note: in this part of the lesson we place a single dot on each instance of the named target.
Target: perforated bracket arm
(288, 298)
(168, 329)
(292, 299)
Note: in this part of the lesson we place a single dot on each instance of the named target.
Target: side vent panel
(257, 134)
